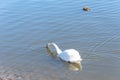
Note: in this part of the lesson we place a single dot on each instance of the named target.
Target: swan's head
(51, 49)
(54, 48)
(50, 45)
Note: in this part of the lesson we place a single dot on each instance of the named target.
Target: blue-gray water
(26, 26)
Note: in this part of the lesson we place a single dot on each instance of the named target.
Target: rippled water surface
(26, 26)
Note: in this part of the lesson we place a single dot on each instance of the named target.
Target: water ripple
(26, 26)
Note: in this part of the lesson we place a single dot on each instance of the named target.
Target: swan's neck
(57, 49)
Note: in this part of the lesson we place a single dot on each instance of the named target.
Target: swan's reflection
(74, 66)
(77, 66)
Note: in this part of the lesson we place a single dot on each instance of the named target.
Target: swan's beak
(46, 46)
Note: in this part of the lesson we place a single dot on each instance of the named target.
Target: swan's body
(69, 55)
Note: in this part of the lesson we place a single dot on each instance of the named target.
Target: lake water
(26, 26)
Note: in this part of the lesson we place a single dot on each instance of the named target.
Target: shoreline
(8, 74)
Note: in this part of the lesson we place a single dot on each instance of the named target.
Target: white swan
(69, 55)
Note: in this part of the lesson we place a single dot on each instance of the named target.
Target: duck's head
(86, 8)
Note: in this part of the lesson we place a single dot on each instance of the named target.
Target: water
(26, 26)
